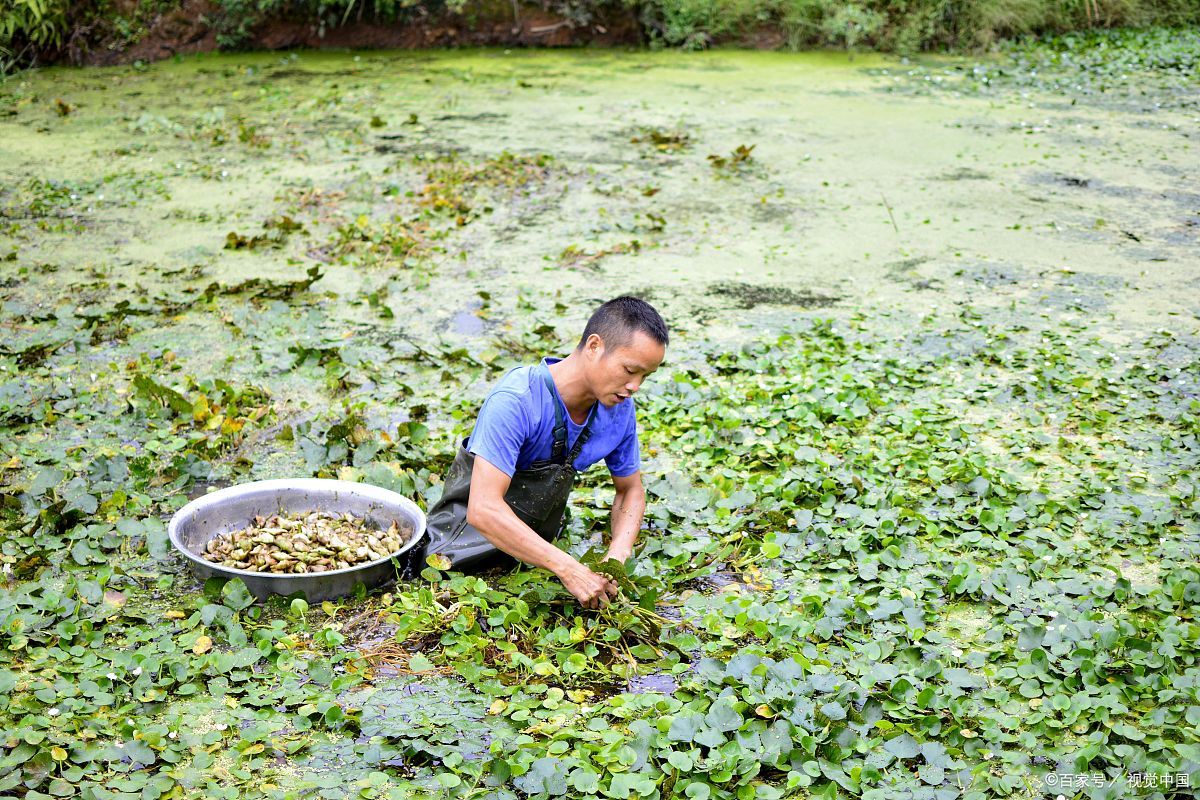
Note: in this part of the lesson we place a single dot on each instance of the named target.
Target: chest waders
(537, 494)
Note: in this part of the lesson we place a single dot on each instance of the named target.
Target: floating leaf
(902, 746)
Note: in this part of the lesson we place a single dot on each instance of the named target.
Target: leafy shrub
(694, 24)
(32, 27)
(894, 25)
(236, 19)
(851, 23)
(30, 24)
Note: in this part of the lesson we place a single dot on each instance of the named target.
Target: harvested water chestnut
(305, 543)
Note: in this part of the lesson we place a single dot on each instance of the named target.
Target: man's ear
(594, 346)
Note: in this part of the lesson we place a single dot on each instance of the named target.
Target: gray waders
(537, 495)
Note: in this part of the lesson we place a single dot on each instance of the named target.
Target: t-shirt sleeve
(625, 459)
(500, 430)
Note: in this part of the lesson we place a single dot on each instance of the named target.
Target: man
(507, 491)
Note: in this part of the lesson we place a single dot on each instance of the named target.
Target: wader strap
(580, 441)
(559, 450)
(559, 455)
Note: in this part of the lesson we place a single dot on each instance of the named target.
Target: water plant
(930, 534)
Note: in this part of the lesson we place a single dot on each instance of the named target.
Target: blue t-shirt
(515, 427)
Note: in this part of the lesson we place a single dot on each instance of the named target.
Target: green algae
(836, 156)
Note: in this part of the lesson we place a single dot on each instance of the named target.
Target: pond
(921, 460)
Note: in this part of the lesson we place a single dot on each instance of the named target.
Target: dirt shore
(190, 29)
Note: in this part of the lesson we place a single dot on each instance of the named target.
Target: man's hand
(591, 589)
(494, 518)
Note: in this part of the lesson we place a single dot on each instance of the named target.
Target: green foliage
(884, 556)
(523, 627)
(1110, 54)
(34, 23)
(740, 159)
(694, 24)
(900, 27)
(102, 717)
(33, 28)
(1117, 64)
(455, 192)
(28, 27)
(235, 20)
(871, 526)
(983, 24)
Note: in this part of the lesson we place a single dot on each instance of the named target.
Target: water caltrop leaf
(585, 780)
(151, 389)
(629, 784)
(742, 497)
(934, 754)
(158, 543)
(931, 774)
(545, 776)
(684, 727)
(722, 717)
(1031, 637)
(902, 746)
(235, 595)
(44, 479)
(77, 496)
(834, 711)
(680, 761)
(83, 553)
(61, 788)
(957, 676)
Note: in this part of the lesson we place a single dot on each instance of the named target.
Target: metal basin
(234, 508)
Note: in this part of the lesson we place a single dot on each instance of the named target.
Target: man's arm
(628, 508)
(488, 512)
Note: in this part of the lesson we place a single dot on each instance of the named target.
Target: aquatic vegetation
(662, 140)
(454, 191)
(858, 509)
(573, 256)
(276, 233)
(376, 243)
(739, 159)
(922, 512)
(747, 295)
(448, 178)
(55, 207)
(1117, 66)
(211, 413)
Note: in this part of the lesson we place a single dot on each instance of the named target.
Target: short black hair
(619, 319)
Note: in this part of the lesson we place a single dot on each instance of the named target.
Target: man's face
(615, 375)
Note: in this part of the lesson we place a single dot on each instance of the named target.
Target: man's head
(624, 341)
